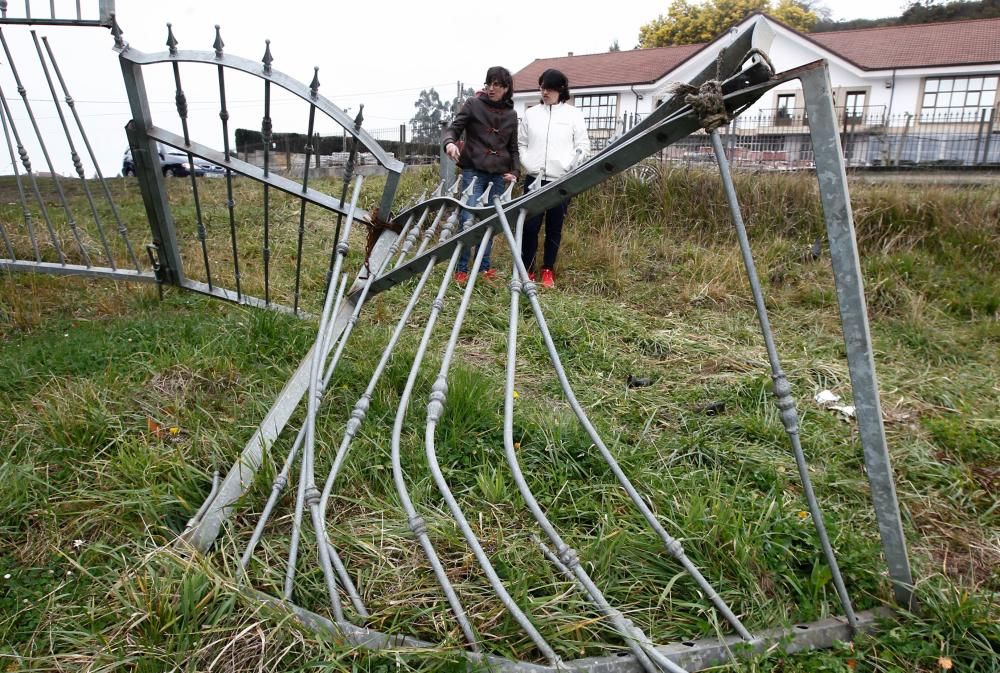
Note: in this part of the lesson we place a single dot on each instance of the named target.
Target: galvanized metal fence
(424, 242)
(779, 139)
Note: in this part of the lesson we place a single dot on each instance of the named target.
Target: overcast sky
(377, 53)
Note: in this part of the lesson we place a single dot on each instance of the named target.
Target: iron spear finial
(219, 44)
(171, 40)
(314, 84)
(268, 59)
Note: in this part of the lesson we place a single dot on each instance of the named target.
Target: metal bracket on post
(153, 251)
(832, 176)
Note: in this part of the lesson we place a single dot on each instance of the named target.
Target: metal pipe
(782, 389)
(672, 545)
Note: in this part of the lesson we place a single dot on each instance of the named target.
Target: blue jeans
(482, 180)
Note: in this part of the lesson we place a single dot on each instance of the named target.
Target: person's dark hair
(500, 74)
(555, 80)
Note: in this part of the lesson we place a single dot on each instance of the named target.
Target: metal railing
(779, 139)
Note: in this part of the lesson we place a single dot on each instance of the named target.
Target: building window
(956, 99)
(854, 104)
(784, 110)
(601, 112)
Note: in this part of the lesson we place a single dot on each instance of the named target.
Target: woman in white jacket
(552, 140)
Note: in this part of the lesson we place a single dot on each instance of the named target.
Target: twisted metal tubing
(417, 524)
(281, 479)
(293, 549)
(312, 493)
(230, 203)
(121, 228)
(182, 111)
(70, 220)
(435, 407)
(20, 192)
(26, 162)
(782, 388)
(74, 156)
(634, 638)
(672, 545)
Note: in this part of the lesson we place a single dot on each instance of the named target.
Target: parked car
(175, 162)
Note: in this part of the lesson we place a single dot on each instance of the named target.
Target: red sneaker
(531, 276)
(461, 276)
(548, 279)
(490, 275)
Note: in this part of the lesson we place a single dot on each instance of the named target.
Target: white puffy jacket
(552, 140)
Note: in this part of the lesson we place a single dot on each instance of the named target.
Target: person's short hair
(556, 81)
(500, 74)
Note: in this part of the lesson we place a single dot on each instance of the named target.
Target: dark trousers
(553, 218)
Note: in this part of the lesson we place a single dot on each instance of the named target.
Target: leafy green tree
(692, 23)
(425, 125)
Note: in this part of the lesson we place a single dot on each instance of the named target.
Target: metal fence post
(832, 176)
(146, 156)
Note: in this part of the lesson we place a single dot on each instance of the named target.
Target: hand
(509, 178)
(451, 149)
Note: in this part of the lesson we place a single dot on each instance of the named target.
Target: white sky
(377, 53)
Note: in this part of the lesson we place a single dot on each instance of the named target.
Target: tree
(425, 125)
(614, 46)
(692, 23)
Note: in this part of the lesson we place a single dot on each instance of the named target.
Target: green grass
(650, 284)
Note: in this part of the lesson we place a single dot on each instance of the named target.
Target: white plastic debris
(847, 410)
(825, 398)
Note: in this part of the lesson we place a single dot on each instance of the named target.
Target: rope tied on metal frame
(706, 100)
(376, 226)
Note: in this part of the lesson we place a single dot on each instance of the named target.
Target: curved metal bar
(312, 494)
(672, 545)
(45, 152)
(416, 522)
(435, 407)
(20, 189)
(287, 83)
(77, 164)
(122, 230)
(566, 560)
(293, 548)
(782, 389)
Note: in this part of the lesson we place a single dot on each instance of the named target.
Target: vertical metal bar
(265, 132)
(979, 136)
(782, 389)
(52, 9)
(230, 202)
(146, 156)
(77, 164)
(989, 136)
(45, 153)
(854, 317)
(122, 231)
(107, 11)
(20, 189)
(26, 162)
(182, 111)
(79, 13)
(302, 210)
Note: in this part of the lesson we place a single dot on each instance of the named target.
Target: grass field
(116, 408)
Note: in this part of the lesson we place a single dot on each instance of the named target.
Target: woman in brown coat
(489, 154)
